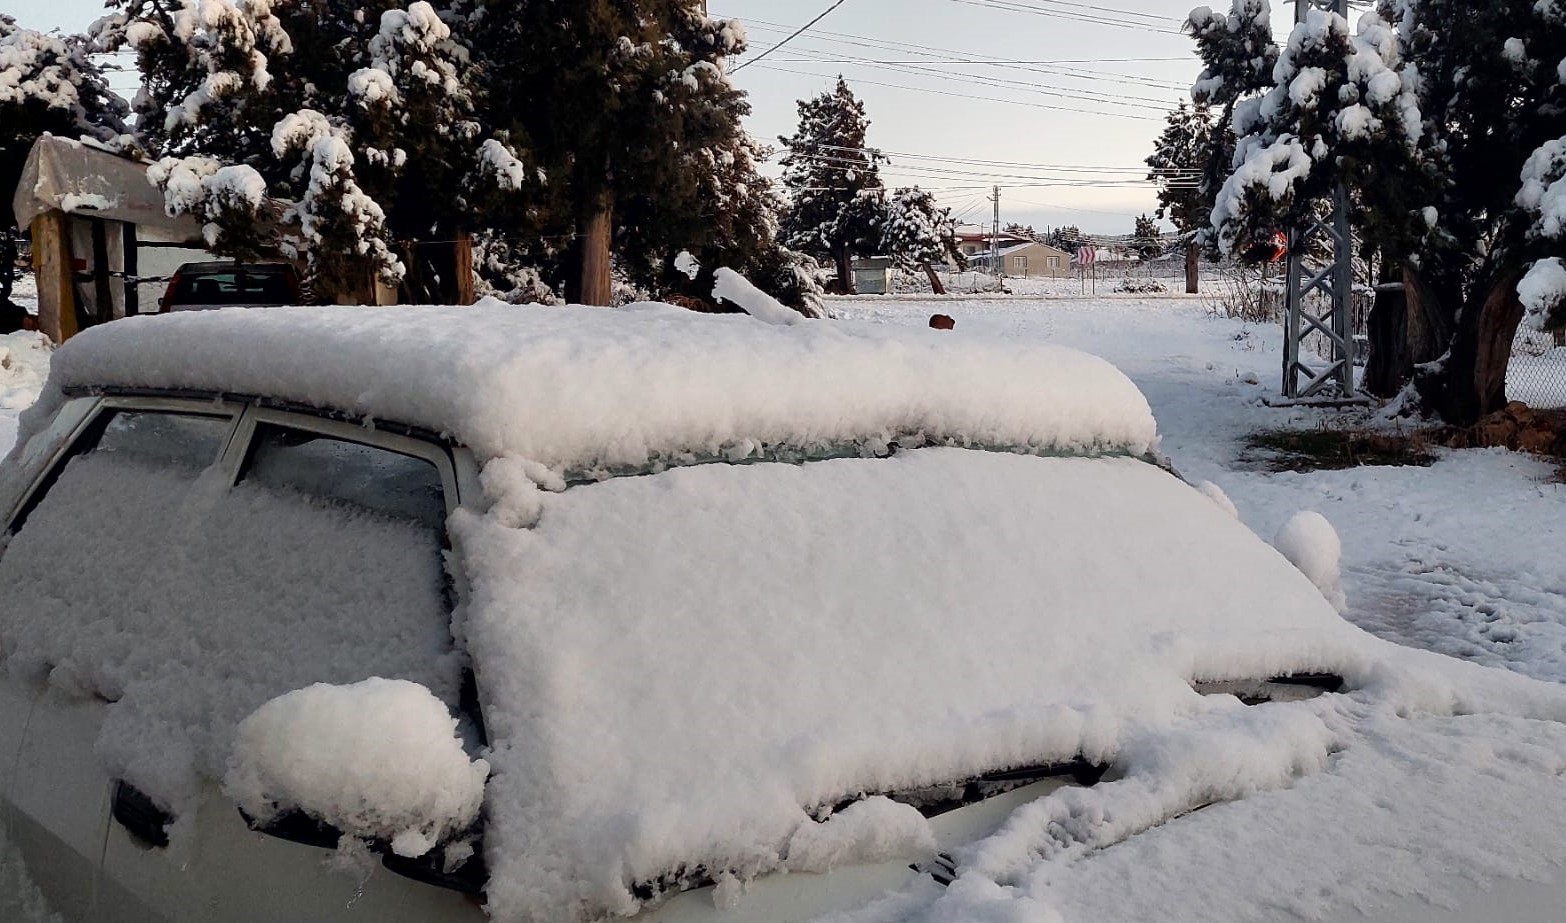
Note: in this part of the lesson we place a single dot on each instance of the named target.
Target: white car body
(755, 714)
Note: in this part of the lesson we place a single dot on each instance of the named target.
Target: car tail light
(167, 300)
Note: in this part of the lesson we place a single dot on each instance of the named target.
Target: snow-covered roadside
(1462, 557)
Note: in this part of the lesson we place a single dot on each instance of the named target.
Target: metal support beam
(1319, 299)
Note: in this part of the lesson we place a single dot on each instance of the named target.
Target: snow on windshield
(676, 667)
(583, 387)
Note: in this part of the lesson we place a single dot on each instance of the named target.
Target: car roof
(214, 266)
(576, 388)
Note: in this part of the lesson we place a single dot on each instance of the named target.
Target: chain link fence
(1537, 373)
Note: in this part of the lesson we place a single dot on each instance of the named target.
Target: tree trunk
(1387, 365)
(935, 280)
(1429, 319)
(845, 272)
(1193, 268)
(1470, 380)
(596, 285)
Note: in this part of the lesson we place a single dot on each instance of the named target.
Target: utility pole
(995, 264)
(1332, 278)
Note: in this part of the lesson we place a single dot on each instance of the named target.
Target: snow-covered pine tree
(627, 107)
(353, 109)
(48, 84)
(1146, 239)
(1192, 148)
(917, 232)
(1067, 237)
(1431, 112)
(834, 183)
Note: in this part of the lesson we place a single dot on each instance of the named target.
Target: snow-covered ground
(1462, 557)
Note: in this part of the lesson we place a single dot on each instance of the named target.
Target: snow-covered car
(565, 614)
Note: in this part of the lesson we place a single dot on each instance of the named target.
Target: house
(975, 241)
(1033, 260)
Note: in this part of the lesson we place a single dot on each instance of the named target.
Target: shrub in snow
(1141, 287)
(1312, 545)
(378, 759)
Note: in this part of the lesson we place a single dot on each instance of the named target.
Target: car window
(354, 474)
(185, 440)
(251, 285)
(190, 602)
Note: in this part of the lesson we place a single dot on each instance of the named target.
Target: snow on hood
(578, 387)
(695, 660)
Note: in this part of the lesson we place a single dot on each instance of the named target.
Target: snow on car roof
(578, 387)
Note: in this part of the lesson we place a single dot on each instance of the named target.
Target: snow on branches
(227, 200)
(1342, 107)
(344, 230)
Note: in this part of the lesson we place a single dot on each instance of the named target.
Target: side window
(181, 440)
(184, 443)
(348, 473)
(191, 603)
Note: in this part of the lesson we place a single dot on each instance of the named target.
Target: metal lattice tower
(1332, 282)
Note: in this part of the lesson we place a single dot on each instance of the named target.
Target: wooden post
(102, 290)
(52, 268)
(597, 288)
(464, 274)
(132, 263)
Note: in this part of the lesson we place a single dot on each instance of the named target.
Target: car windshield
(239, 285)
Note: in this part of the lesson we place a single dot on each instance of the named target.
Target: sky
(1062, 123)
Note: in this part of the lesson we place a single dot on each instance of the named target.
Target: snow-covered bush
(1135, 286)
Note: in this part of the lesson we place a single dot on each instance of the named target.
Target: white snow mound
(379, 759)
(1312, 545)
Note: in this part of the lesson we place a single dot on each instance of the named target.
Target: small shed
(99, 234)
(873, 275)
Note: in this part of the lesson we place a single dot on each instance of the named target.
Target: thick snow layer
(201, 605)
(584, 387)
(1311, 544)
(1543, 290)
(750, 641)
(378, 759)
(732, 287)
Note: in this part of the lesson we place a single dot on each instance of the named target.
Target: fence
(1536, 375)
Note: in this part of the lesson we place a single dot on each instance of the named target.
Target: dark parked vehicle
(204, 286)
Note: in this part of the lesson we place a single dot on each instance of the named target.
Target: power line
(1030, 86)
(993, 99)
(1016, 7)
(797, 33)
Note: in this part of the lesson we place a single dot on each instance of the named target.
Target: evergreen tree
(353, 110)
(1068, 238)
(628, 108)
(1440, 116)
(48, 84)
(917, 232)
(836, 198)
(1146, 240)
(1192, 148)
